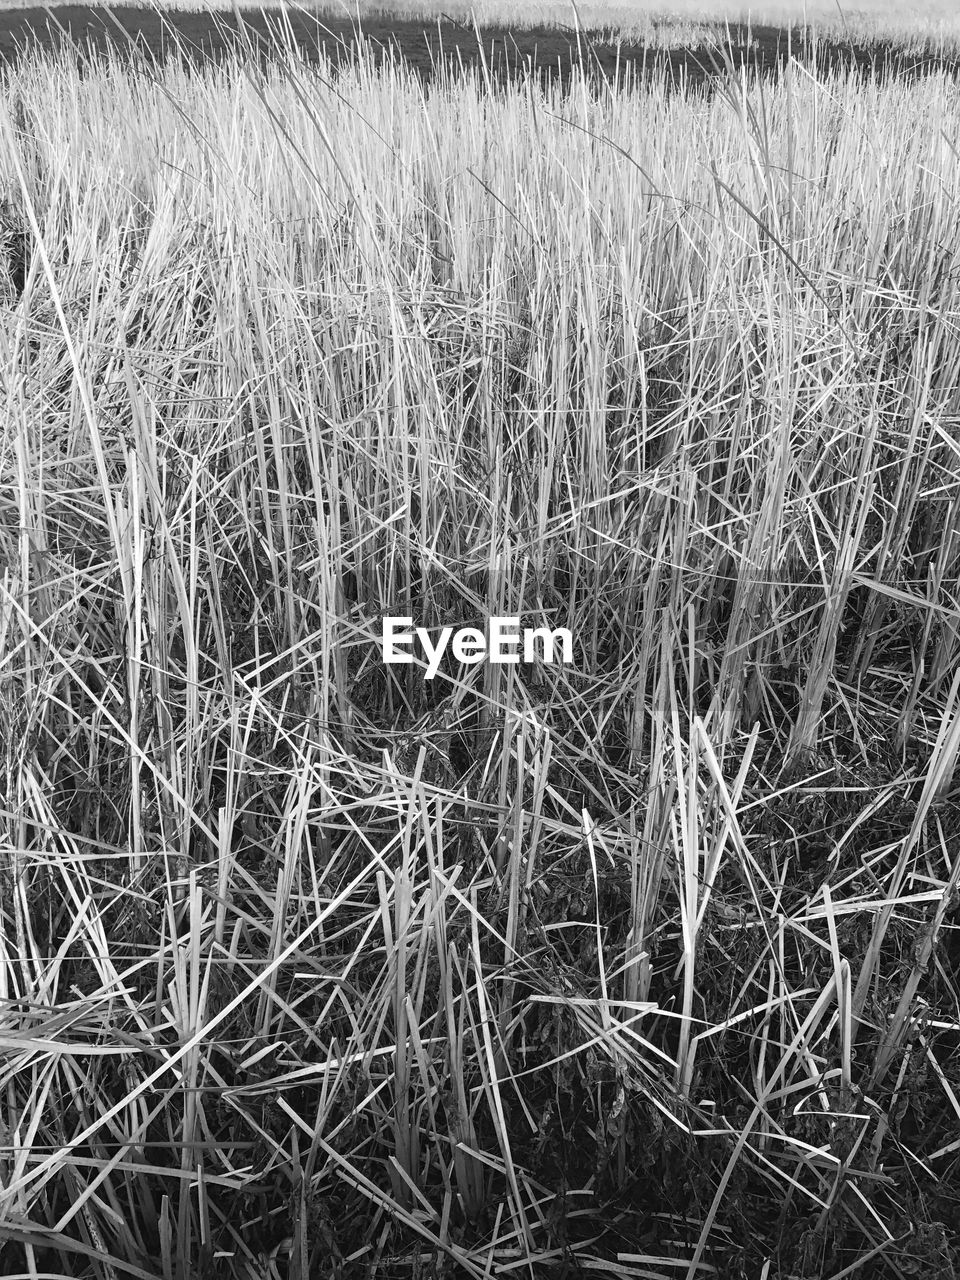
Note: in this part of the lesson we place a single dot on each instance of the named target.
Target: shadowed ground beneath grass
(549, 52)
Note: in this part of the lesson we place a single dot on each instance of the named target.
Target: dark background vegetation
(549, 52)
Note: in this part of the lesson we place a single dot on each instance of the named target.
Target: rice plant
(643, 965)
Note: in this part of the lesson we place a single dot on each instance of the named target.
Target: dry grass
(644, 966)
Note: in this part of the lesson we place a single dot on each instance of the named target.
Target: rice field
(691, 54)
(643, 965)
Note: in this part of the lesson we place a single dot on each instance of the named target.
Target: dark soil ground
(551, 52)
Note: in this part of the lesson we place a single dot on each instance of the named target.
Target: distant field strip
(658, 22)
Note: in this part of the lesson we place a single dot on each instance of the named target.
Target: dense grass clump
(645, 965)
